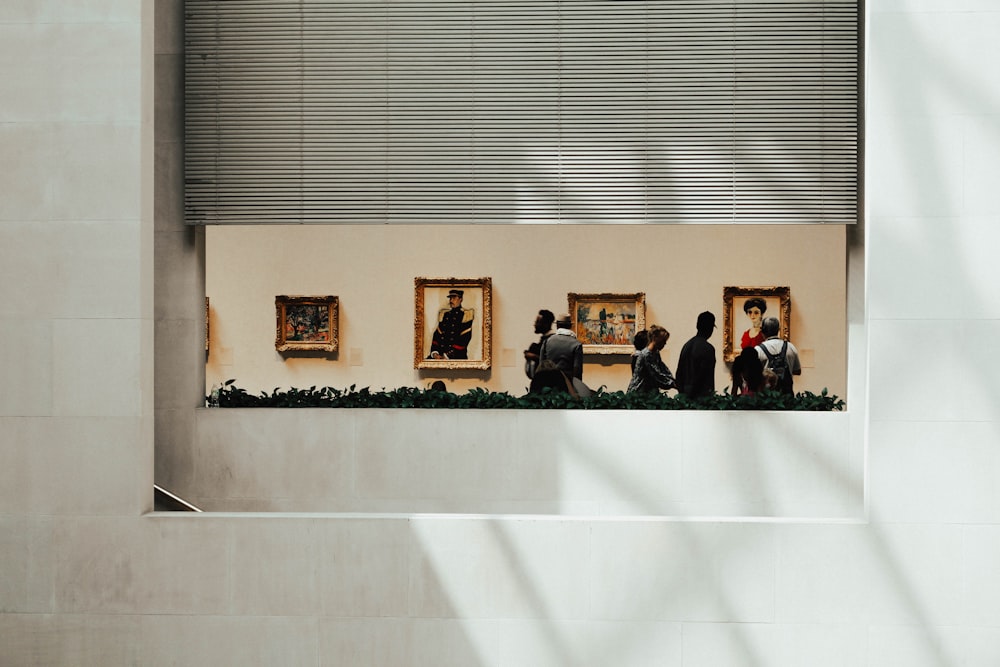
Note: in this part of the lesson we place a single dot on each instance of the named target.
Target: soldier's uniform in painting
(453, 333)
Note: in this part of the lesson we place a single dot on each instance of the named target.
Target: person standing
(543, 327)
(454, 329)
(748, 374)
(563, 349)
(651, 374)
(696, 363)
(778, 356)
(640, 341)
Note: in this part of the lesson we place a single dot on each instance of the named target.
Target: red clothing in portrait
(747, 341)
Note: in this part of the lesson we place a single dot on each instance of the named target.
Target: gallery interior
(476, 537)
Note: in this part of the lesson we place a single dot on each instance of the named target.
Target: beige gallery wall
(682, 270)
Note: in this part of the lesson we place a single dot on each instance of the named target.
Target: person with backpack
(778, 356)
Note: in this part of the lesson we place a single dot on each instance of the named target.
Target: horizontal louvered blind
(396, 111)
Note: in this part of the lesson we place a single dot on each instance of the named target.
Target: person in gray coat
(563, 349)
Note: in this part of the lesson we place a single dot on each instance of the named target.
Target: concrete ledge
(549, 462)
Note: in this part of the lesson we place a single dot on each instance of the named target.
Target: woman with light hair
(650, 374)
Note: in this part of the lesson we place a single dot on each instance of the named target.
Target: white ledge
(554, 463)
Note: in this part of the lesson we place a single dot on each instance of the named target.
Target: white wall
(584, 463)
(86, 579)
(75, 260)
(681, 268)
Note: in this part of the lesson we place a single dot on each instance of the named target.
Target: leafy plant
(231, 396)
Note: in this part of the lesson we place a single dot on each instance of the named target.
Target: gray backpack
(778, 364)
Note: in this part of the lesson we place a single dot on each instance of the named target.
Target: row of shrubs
(231, 396)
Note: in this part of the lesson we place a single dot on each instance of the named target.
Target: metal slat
(402, 109)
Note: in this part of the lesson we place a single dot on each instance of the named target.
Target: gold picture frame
(453, 323)
(606, 323)
(307, 323)
(208, 326)
(777, 302)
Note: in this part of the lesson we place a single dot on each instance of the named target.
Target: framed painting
(606, 323)
(452, 323)
(306, 323)
(743, 309)
(208, 324)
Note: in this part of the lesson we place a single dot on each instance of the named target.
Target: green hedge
(231, 396)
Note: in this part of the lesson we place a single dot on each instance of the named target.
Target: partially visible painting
(452, 323)
(743, 310)
(208, 323)
(306, 323)
(606, 323)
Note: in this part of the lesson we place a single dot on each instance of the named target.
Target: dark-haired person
(651, 374)
(754, 307)
(748, 373)
(696, 362)
(543, 327)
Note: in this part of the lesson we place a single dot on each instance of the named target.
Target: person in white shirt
(778, 356)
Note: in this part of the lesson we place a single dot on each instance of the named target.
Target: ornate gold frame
(208, 326)
(729, 314)
(636, 299)
(482, 331)
(283, 303)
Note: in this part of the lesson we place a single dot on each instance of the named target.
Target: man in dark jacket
(696, 363)
(543, 326)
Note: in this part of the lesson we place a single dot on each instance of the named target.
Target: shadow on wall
(862, 570)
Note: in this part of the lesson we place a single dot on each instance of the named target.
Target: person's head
(641, 339)
(755, 307)
(770, 327)
(455, 297)
(543, 321)
(748, 367)
(564, 321)
(706, 324)
(658, 337)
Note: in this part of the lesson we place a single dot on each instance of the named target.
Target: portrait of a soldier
(454, 329)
